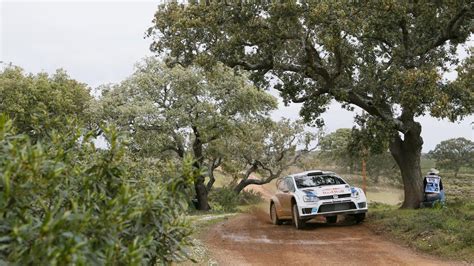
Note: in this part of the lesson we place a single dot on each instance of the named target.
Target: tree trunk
(407, 154)
(199, 186)
(201, 194)
(201, 189)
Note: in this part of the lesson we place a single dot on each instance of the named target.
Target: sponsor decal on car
(330, 191)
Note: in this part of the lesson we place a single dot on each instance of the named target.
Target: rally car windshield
(316, 181)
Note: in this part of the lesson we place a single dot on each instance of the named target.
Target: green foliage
(224, 199)
(446, 231)
(65, 202)
(39, 104)
(346, 148)
(170, 112)
(386, 58)
(267, 148)
(371, 135)
(250, 197)
(367, 54)
(334, 148)
(383, 165)
(168, 109)
(452, 154)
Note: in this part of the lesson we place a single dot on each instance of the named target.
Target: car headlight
(355, 193)
(310, 198)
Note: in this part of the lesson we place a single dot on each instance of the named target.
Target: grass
(390, 196)
(446, 231)
(202, 222)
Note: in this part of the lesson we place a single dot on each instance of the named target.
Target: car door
(284, 195)
(281, 194)
(289, 195)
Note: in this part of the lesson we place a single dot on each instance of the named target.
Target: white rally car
(303, 196)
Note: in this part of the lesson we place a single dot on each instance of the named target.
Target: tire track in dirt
(251, 239)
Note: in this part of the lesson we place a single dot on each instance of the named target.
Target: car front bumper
(331, 207)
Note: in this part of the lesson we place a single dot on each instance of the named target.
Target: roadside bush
(65, 202)
(250, 197)
(223, 199)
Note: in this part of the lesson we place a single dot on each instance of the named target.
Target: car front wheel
(331, 219)
(299, 223)
(274, 215)
(359, 218)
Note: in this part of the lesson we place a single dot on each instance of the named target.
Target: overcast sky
(99, 42)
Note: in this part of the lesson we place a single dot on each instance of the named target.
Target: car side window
(282, 185)
(290, 185)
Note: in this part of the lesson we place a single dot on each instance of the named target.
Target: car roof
(313, 172)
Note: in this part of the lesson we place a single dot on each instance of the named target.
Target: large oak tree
(386, 57)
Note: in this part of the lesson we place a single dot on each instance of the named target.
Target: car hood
(328, 190)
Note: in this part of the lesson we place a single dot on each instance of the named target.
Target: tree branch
(338, 56)
(265, 65)
(314, 94)
(405, 38)
(214, 164)
(368, 105)
(314, 61)
(449, 33)
(178, 151)
(379, 39)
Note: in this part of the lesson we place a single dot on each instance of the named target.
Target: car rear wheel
(299, 223)
(331, 219)
(274, 215)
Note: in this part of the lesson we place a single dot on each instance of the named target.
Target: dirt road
(251, 239)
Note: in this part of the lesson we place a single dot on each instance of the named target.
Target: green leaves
(65, 202)
(452, 154)
(40, 103)
(168, 110)
(383, 57)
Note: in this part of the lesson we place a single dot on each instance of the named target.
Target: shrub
(223, 199)
(249, 197)
(65, 202)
